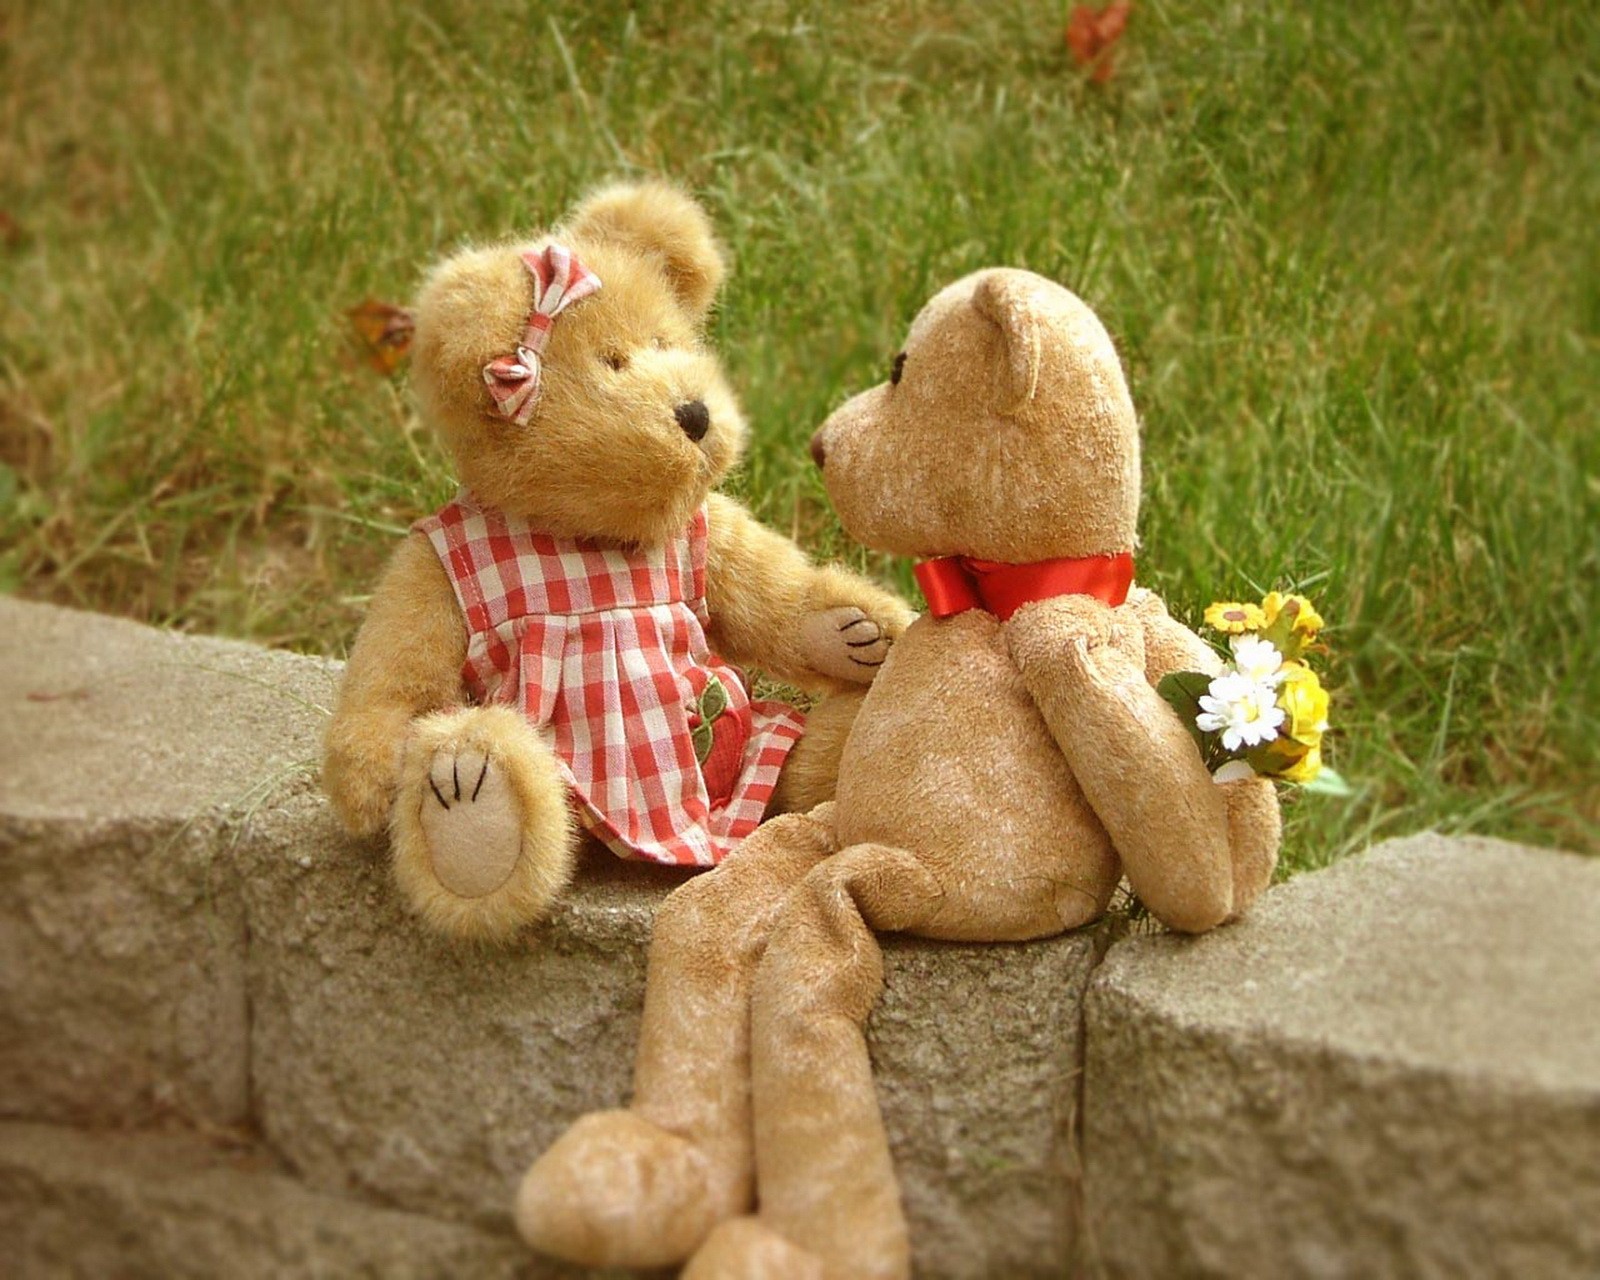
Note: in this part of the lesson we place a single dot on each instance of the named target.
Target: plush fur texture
(810, 774)
(604, 457)
(643, 1187)
(406, 662)
(1005, 441)
(998, 781)
(745, 1246)
(484, 842)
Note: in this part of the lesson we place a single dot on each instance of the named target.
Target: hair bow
(559, 280)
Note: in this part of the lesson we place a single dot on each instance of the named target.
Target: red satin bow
(955, 584)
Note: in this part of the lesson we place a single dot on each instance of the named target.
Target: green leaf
(1273, 758)
(1328, 783)
(702, 738)
(1182, 691)
(714, 701)
(1293, 647)
(1281, 635)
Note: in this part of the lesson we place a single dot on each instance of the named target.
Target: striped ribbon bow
(559, 280)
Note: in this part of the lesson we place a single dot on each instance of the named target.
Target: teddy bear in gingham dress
(561, 646)
(667, 757)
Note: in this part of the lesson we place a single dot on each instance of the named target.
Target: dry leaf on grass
(384, 331)
(1092, 35)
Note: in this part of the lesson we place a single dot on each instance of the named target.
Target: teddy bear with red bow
(1012, 762)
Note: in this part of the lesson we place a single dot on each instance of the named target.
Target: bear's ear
(659, 221)
(1004, 298)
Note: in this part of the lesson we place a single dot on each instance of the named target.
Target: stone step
(186, 934)
(1391, 1068)
(129, 761)
(76, 1203)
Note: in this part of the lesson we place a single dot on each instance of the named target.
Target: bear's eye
(614, 359)
(896, 369)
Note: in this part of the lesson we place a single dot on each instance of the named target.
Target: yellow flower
(1306, 768)
(1306, 618)
(1233, 619)
(1305, 702)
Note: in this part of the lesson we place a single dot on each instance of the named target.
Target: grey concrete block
(187, 932)
(427, 1076)
(166, 1206)
(109, 721)
(1391, 1068)
(128, 761)
(123, 998)
(976, 1053)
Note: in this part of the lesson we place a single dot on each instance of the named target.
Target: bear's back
(950, 758)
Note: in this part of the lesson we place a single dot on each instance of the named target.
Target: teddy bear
(1012, 762)
(561, 648)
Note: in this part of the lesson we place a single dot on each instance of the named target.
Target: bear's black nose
(694, 418)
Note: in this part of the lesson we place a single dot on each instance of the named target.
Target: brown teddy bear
(555, 647)
(1011, 763)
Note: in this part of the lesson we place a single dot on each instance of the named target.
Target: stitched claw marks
(472, 822)
(868, 637)
(844, 643)
(455, 780)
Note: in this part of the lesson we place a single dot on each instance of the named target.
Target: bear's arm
(771, 608)
(1255, 826)
(1084, 665)
(1169, 645)
(406, 662)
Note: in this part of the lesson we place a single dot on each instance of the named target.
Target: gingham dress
(604, 647)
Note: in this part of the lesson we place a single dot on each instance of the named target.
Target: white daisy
(1257, 659)
(1244, 711)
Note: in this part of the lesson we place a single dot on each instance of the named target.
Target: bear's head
(633, 422)
(1005, 432)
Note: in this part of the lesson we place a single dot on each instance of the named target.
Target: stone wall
(226, 1051)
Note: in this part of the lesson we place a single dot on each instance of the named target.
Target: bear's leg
(811, 773)
(1255, 827)
(829, 1199)
(830, 1204)
(481, 829)
(643, 1187)
(745, 1247)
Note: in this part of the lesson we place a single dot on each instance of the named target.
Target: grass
(1347, 251)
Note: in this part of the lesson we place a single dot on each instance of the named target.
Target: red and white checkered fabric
(559, 280)
(604, 647)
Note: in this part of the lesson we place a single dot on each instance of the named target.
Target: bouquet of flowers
(1266, 713)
